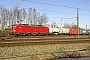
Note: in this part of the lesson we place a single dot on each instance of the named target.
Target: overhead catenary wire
(48, 4)
(48, 10)
(42, 10)
(56, 5)
(53, 5)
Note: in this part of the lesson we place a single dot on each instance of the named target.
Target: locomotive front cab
(12, 30)
(15, 29)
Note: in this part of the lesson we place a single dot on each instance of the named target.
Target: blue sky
(59, 11)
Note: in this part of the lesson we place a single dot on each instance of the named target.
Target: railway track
(3, 44)
(34, 40)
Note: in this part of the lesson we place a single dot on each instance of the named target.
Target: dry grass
(43, 52)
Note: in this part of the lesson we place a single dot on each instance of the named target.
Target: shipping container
(87, 31)
(83, 31)
(74, 31)
(64, 30)
(55, 31)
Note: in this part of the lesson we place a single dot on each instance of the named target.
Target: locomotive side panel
(42, 29)
(19, 29)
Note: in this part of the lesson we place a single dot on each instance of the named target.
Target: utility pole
(77, 24)
(86, 27)
(30, 16)
(61, 24)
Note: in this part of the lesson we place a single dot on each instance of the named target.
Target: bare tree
(16, 15)
(30, 16)
(72, 25)
(38, 17)
(66, 25)
(0, 14)
(22, 14)
(53, 25)
(3, 18)
(34, 17)
(7, 18)
(43, 19)
(11, 18)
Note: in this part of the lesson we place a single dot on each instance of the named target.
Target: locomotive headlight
(14, 30)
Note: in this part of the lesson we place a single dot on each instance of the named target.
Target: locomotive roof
(29, 25)
(32, 25)
(25, 24)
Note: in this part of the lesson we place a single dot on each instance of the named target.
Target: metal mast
(77, 24)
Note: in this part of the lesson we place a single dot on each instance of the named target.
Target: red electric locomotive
(23, 29)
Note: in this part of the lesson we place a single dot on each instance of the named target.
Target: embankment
(45, 51)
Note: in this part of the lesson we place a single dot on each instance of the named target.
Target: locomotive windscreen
(13, 26)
